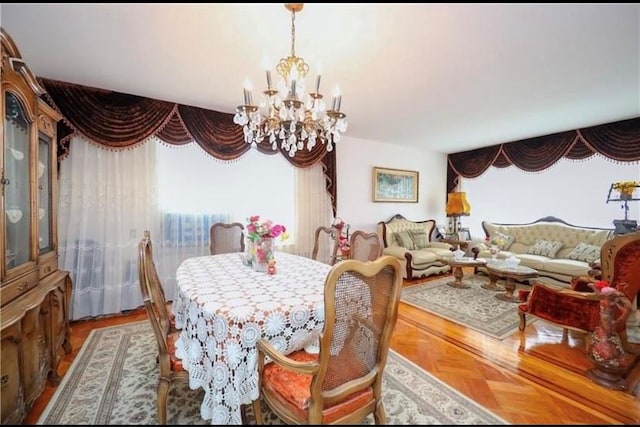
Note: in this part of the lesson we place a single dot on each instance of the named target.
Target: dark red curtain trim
(114, 119)
(619, 141)
(536, 154)
(118, 121)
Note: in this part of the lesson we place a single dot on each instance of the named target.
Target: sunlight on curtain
(312, 209)
(106, 201)
(108, 198)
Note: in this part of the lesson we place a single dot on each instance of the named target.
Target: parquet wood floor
(533, 377)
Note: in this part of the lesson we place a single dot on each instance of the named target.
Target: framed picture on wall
(395, 185)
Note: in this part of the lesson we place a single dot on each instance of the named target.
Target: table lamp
(457, 206)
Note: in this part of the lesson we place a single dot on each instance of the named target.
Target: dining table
(223, 307)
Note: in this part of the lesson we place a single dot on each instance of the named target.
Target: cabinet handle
(47, 269)
(5, 181)
(4, 380)
(23, 286)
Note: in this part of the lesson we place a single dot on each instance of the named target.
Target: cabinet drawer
(48, 267)
(18, 287)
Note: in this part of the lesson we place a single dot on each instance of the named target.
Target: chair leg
(243, 415)
(379, 415)
(257, 411)
(163, 392)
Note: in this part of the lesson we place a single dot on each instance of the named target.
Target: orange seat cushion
(293, 390)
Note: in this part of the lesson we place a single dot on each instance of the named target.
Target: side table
(500, 270)
(458, 274)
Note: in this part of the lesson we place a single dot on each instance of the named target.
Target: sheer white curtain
(312, 208)
(106, 201)
(108, 198)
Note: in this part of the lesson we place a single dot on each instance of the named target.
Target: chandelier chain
(293, 33)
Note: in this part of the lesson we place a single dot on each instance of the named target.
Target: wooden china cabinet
(34, 294)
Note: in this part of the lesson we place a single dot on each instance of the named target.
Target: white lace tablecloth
(224, 307)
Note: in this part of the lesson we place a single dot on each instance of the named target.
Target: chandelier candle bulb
(318, 84)
(268, 79)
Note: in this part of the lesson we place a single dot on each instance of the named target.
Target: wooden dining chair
(226, 237)
(146, 250)
(342, 383)
(170, 367)
(365, 246)
(325, 245)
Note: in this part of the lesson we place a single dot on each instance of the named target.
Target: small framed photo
(395, 185)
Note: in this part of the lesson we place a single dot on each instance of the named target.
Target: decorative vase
(626, 195)
(249, 253)
(263, 253)
(605, 349)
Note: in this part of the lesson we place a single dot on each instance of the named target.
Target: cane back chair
(365, 246)
(342, 383)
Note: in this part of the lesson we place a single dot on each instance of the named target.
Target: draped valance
(619, 141)
(119, 121)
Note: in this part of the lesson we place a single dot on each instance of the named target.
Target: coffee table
(457, 264)
(501, 270)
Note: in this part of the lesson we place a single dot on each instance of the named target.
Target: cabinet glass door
(15, 183)
(45, 240)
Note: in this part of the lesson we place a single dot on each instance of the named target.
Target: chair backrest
(365, 246)
(225, 238)
(154, 299)
(620, 263)
(325, 246)
(361, 307)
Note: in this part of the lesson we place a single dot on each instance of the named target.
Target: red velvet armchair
(579, 308)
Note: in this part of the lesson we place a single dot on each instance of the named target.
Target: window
(192, 182)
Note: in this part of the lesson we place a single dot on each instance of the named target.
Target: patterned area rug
(474, 307)
(113, 381)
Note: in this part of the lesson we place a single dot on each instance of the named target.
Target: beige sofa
(574, 250)
(410, 242)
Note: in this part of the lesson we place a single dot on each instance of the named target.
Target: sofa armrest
(477, 248)
(396, 251)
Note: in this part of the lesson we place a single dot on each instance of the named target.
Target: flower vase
(249, 253)
(263, 254)
(624, 195)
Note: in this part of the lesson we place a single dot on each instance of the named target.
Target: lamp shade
(457, 204)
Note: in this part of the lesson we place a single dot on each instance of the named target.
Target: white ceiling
(445, 77)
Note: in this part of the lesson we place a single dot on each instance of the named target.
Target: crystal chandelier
(289, 114)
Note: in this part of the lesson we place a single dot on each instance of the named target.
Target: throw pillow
(585, 252)
(420, 239)
(404, 239)
(547, 248)
(502, 240)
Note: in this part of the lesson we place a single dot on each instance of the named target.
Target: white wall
(574, 191)
(355, 161)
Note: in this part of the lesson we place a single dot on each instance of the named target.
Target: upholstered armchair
(579, 308)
